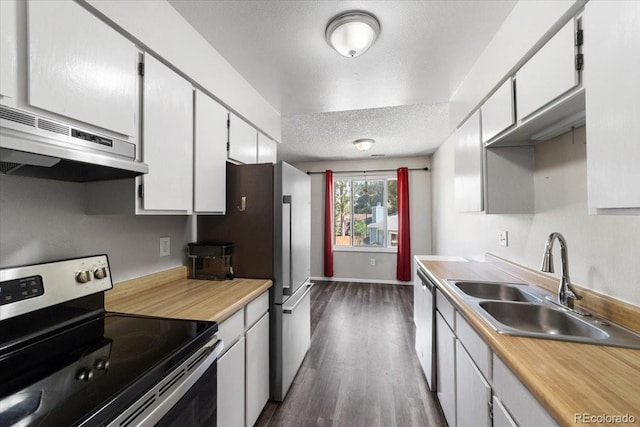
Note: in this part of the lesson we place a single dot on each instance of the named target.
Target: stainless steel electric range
(64, 361)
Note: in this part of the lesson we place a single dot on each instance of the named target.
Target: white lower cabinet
(501, 417)
(473, 392)
(446, 350)
(474, 387)
(231, 386)
(243, 370)
(257, 369)
(524, 408)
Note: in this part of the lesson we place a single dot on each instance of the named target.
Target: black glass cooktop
(92, 371)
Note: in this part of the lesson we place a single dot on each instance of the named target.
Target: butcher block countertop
(567, 378)
(171, 294)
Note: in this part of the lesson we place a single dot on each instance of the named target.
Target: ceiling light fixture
(363, 144)
(352, 33)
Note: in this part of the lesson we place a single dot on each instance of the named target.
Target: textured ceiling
(421, 56)
(402, 131)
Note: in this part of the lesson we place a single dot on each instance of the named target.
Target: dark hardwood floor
(362, 369)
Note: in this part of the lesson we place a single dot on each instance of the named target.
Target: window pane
(342, 212)
(368, 213)
(392, 212)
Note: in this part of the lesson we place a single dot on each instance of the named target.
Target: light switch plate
(503, 238)
(165, 246)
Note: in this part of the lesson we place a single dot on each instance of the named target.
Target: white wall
(44, 220)
(357, 265)
(603, 250)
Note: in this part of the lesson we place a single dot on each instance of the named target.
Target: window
(365, 212)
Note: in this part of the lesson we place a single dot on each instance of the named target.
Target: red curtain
(328, 223)
(403, 268)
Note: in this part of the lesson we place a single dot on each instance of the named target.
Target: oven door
(187, 396)
(197, 408)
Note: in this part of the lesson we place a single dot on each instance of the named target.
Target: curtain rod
(370, 171)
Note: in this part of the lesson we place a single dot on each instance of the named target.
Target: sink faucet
(566, 293)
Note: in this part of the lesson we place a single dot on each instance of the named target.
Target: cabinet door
(231, 386)
(257, 369)
(498, 113)
(9, 51)
(468, 166)
(168, 139)
(81, 68)
(473, 393)
(501, 417)
(612, 60)
(267, 149)
(550, 73)
(242, 141)
(446, 351)
(210, 157)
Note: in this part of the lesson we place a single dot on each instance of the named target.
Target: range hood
(36, 146)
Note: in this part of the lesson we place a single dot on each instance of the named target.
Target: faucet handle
(572, 292)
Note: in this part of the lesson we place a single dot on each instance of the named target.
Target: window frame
(386, 177)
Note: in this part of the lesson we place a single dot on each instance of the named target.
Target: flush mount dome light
(352, 33)
(363, 144)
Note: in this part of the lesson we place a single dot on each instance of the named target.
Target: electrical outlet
(165, 246)
(503, 238)
(373, 261)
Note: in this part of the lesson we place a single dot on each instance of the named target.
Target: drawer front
(519, 402)
(446, 309)
(475, 346)
(256, 309)
(231, 329)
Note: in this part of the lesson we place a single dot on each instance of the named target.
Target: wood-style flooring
(362, 369)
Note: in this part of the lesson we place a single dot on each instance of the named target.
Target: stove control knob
(101, 364)
(84, 374)
(83, 276)
(100, 273)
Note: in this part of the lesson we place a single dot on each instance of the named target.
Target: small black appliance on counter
(210, 261)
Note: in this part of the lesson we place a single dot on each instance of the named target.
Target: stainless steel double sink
(524, 310)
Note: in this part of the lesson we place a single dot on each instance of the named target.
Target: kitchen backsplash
(44, 220)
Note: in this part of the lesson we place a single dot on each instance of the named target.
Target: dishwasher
(425, 343)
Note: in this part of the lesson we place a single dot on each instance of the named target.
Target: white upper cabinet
(210, 157)
(243, 141)
(9, 50)
(167, 145)
(267, 149)
(612, 61)
(498, 113)
(80, 68)
(550, 73)
(468, 166)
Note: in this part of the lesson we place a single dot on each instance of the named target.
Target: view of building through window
(366, 212)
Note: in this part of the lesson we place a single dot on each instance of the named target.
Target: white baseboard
(342, 279)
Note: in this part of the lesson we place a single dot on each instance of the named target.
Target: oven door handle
(215, 347)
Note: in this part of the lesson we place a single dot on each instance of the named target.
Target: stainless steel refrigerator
(268, 220)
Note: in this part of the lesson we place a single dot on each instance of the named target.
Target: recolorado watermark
(586, 418)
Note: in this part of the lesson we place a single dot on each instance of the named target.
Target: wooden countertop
(170, 294)
(567, 378)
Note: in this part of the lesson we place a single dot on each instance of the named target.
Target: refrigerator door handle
(287, 221)
(288, 309)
